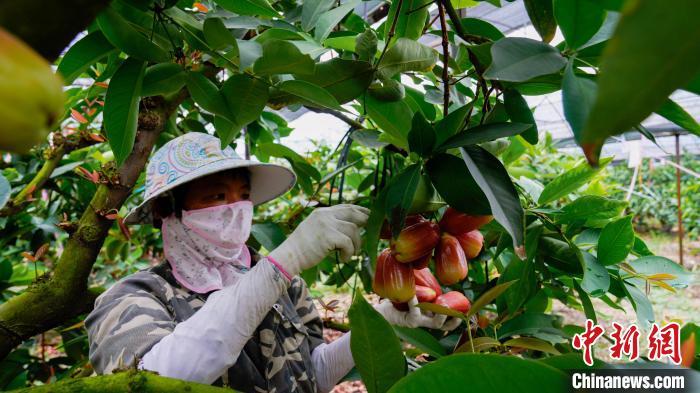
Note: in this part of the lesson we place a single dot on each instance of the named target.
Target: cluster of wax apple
(403, 271)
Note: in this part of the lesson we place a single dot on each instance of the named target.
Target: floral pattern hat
(196, 154)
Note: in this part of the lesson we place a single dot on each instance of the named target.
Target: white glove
(324, 230)
(415, 317)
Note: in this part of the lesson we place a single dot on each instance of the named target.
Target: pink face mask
(206, 248)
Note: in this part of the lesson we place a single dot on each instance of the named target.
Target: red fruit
(416, 241)
(421, 263)
(454, 300)
(425, 278)
(471, 243)
(385, 232)
(455, 222)
(450, 261)
(393, 280)
(425, 294)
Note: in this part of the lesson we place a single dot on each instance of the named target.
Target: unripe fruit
(385, 232)
(450, 261)
(393, 280)
(421, 263)
(471, 243)
(416, 241)
(425, 294)
(425, 278)
(454, 300)
(455, 222)
(31, 95)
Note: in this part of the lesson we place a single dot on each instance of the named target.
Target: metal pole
(678, 198)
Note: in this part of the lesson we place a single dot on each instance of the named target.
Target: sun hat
(197, 154)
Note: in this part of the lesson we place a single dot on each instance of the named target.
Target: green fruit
(31, 95)
(426, 199)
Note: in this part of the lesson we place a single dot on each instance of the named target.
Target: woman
(215, 312)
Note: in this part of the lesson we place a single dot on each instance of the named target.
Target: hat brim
(267, 182)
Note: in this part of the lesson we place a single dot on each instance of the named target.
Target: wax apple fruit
(455, 222)
(421, 263)
(425, 278)
(425, 294)
(454, 300)
(393, 280)
(385, 232)
(471, 243)
(450, 261)
(416, 241)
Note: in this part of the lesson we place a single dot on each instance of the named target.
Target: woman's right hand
(324, 230)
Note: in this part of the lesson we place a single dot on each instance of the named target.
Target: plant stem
(445, 61)
(392, 30)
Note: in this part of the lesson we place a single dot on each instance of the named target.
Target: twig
(349, 121)
(445, 61)
(392, 30)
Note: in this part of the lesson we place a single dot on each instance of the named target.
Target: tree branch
(445, 60)
(353, 123)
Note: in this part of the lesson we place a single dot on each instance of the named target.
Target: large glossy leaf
(122, 107)
(532, 343)
(125, 37)
(399, 196)
(651, 265)
(394, 118)
(519, 111)
(642, 306)
(578, 20)
(454, 183)
(494, 181)
(615, 241)
(544, 326)
(578, 96)
(312, 10)
(245, 97)
(596, 279)
(366, 45)
(569, 182)
(591, 209)
(521, 59)
(421, 340)
(541, 15)
(330, 19)
(218, 36)
(524, 278)
(5, 191)
(310, 94)
(163, 78)
(84, 53)
(483, 133)
(411, 19)
(484, 373)
(421, 138)
(675, 113)
(248, 7)
(344, 79)
(282, 57)
(375, 348)
(665, 58)
(406, 55)
(269, 234)
(206, 94)
(451, 124)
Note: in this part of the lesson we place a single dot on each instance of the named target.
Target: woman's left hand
(415, 317)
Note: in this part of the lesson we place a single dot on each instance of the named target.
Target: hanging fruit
(415, 241)
(393, 280)
(450, 261)
(425, 294)
(421, 263)
(425, 278)
(471, 243)
(454, 300)
(455, 222)
(410, 220)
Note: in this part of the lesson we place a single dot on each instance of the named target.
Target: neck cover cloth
(206, 248)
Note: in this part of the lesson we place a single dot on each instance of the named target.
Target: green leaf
(205, 93)
(659, 57)
(481, 27)
(411, 19)
(520, 112)
(125, 37)
(454, 183)
(616, 240)
(442, 310)
(542, 326)
(310, 94)
(375, 347)
(5, 191)
(245, 97)
(249, 52)
(650, 265)
(532, 343)
(394, 118)
(478, 344)
(248, 7)
(541, 15)
(578, 96)
(399, 195)
(311, 11)
(282, 57)
(451, 124)
(163, 79)
(569, 182)
(331, 18)
(640, 248)
(421, 340)
(406, 55)
(494, 181)
(570, 361)
(226, 130)
(344, 79)
(483, 133)
(522, 274)
(578, 20)
(269, 234)
(84, 53)
(488, 297)
(484, 373)
(590, 209)
(366, 45)
(642, 306)
(675, 113)
(521, 59)
(374, 226)
(218, 36)
(421, 138)
(596, 279)
(586, 303)
(121, 110)
(388, 90)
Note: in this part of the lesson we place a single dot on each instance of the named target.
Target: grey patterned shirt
(141, 309)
